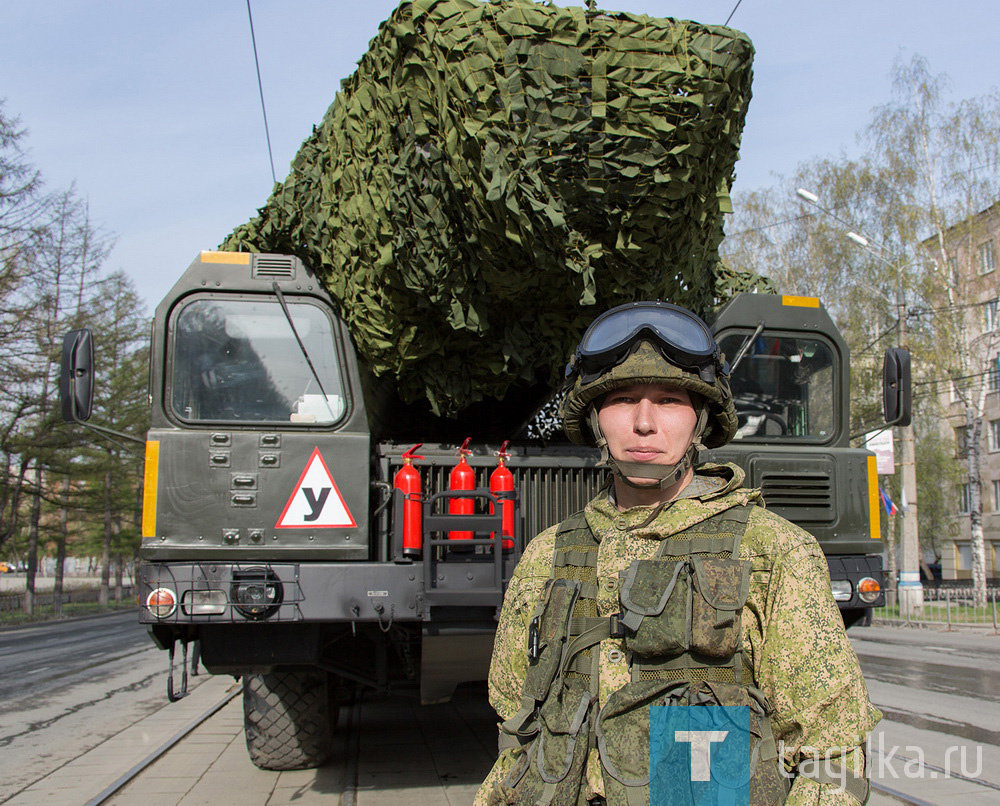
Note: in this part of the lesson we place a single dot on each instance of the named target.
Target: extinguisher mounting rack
(447, 572)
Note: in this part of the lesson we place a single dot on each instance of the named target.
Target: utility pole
(910, 589)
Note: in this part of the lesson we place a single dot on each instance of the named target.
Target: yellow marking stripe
(874, 502)
(801, 302)
(150, 479)
(237, 258)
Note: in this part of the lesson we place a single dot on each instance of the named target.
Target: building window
(996, 495)
(953, 270)
(963, 558)
(994, 435)
(965, 500)
(993, 374)
(992, 321)
(987, 262)
(961, 441)
(952, 392)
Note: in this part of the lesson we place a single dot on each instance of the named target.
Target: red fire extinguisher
(501, 485)
(407, 481)
(463, 477)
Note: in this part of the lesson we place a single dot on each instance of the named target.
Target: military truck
(492, 176)
(273, 533)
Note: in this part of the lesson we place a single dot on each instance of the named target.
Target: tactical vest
(682, 628)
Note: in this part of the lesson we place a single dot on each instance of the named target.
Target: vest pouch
(756, 773)
(655, 603)
(548, 634)
(552, 772)
(623, 731)
(720, 591)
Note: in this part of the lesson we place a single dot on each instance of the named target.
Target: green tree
(942, 162)
(929, 168)
(110, 497)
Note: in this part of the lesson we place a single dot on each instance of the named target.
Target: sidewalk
(87, 776)
(903, 758)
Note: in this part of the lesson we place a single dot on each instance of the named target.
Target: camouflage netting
(496, 173)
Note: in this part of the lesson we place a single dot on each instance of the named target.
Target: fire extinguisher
(407, 481)
(502, 485)
(463, 477)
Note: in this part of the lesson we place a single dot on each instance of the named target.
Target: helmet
(649, 342)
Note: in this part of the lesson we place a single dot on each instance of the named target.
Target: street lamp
(911, 590)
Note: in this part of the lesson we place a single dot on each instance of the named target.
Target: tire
(288, 719)
(856, 617)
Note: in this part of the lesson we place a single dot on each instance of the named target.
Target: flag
(890, 508)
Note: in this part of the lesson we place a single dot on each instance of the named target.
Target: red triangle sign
(316, 502)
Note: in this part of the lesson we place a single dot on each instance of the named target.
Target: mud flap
(451, 655)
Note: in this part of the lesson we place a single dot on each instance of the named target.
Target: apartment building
(968, 263)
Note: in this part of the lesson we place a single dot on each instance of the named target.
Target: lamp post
(910, 589)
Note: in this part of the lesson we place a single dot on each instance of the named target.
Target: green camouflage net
(494, 174)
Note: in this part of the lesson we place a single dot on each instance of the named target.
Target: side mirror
(76, 376)
(897, 405)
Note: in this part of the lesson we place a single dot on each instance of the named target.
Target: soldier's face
(650, 423)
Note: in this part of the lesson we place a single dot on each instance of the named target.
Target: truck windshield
(783, 388)
(238, 361)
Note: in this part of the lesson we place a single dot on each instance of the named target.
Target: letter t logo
(701, 750)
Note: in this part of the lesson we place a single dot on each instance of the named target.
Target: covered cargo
(496, 173)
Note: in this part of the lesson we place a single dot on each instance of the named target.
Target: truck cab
(791, 390)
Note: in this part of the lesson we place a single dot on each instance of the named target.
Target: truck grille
(800, 497)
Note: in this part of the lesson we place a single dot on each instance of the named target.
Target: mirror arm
(106, 432)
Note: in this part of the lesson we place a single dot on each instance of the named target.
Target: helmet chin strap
(660, 476)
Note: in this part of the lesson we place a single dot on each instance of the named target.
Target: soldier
(674, 586)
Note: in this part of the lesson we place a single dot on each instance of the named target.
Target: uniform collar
(715, 488)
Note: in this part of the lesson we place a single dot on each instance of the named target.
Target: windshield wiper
(303, 350)
(741, 353)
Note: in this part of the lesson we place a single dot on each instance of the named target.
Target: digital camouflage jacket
(793, 634)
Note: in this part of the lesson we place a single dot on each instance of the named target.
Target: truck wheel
(857, 617)
(287, 719)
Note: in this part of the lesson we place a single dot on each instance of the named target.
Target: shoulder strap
(575, 557)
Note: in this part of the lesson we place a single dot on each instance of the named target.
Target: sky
(151, 108)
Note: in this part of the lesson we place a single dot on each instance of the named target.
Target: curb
(939, 626)
(67, 619)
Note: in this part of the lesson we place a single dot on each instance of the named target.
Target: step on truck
(293, 548)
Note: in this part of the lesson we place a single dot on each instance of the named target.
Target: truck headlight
(203, 603)
(256, 592)
(842, 590)
(161, 602)
(869, 590)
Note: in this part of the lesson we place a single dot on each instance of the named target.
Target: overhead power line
(732, 12)
(260, 87)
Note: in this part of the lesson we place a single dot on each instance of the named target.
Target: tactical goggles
(683, 338)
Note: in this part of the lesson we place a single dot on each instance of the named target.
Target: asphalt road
(67, 686)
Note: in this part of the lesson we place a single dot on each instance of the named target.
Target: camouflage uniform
(792, 630)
